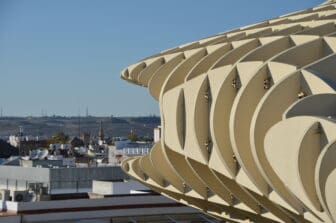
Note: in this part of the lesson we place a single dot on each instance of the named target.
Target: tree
(132, 136)
(59, 138)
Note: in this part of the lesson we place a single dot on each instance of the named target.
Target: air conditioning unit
(38, 188)
(35, 186)
(20, 196)
(32, 196)
(4, 195)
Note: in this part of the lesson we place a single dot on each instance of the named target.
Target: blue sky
(65, 55)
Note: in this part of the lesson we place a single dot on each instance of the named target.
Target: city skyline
(63, 56)
(80, 113)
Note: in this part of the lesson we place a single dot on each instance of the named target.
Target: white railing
(136, 151)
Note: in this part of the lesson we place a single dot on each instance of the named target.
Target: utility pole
(20, 139)
(79, 123)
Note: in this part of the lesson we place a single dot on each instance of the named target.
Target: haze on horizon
(63, 56)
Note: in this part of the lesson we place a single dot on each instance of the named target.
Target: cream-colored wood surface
(248, 120)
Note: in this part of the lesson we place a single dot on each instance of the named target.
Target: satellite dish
(82, 150)
(34, 154)
(32, 196)
(43, 154)
(25, 157)
(91, 154)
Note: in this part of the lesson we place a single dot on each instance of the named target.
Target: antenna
(79, 123)
(21, 130)
(101, 131)
(44, 113)
(87, 111)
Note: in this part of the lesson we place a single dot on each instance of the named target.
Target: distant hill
(48, 126)
(145, 120)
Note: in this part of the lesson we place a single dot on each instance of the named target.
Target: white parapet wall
(77, 210)
(108, 187)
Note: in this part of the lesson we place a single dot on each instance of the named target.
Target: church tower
(101, 132)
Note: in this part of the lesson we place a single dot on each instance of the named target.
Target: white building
(60, 146)
(157, 134)
(120, 145)
(14, 140)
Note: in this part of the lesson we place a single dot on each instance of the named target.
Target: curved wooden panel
(330, 193)
(310, 52)
(178, 75)
(174, 118)
(295, 144)
(146, 74)
(135, 70)
(206, 63)
(146, 165)
(240, 119)
(197, 188)
(267, 113)
(234, 55)
(324, 166)
(161, 74)
(313, 105)
(223, 95)
(167, 172)
(281, 96)
(269, 50)
(197, 119)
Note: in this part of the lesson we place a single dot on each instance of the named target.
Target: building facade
(248, 120)
(57, 180)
